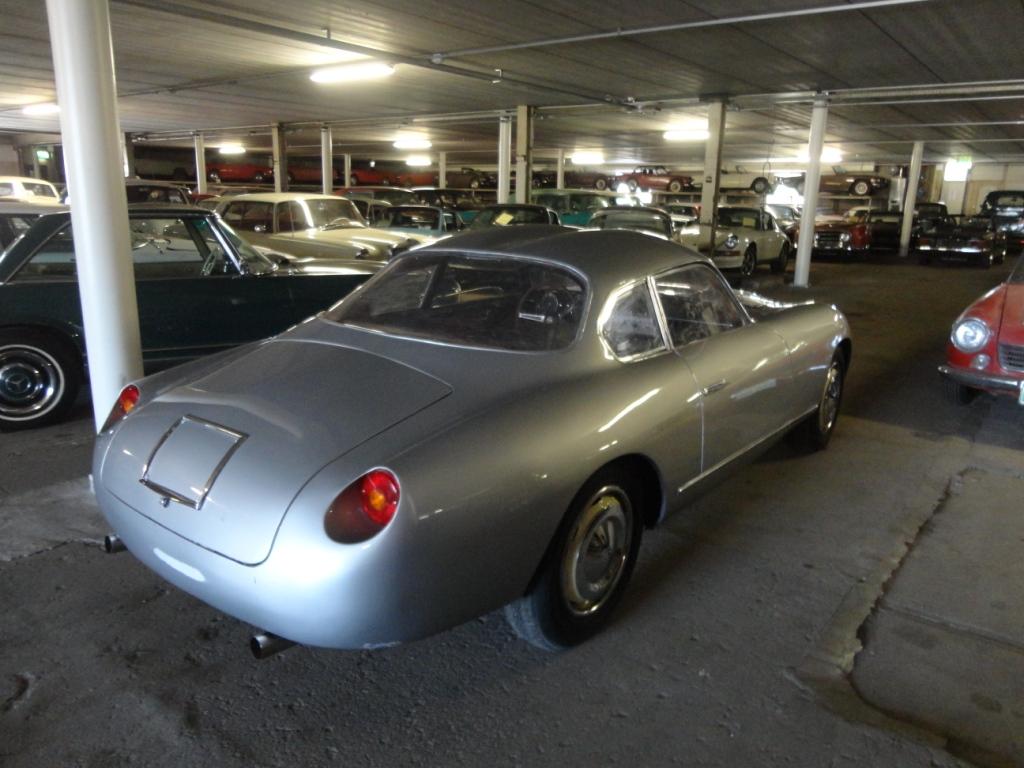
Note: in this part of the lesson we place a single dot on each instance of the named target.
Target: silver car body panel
(489, 448)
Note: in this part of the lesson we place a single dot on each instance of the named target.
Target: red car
(656, 177)
(985, 352)
(308, 174)
(219, 172)
(360, 177)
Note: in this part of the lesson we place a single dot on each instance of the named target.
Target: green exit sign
(42, 155)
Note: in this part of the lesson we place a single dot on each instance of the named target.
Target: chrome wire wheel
(828, 409)
(749, 263)
(32, 382)
(596, 551)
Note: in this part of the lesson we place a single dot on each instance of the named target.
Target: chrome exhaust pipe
(264, 645)
(112, 544)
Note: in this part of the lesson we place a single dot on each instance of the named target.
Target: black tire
(957, 393)
(214, 176)
(987, 260)
(1001, 256)
(601, 183)
(290, 177)
(40, 375)
(861, 188)
(749, 262)
(675, 185)
(632, 185)
(817, 429)
(259, 178)
(564, 608)
(780, 264)
(353, 180)
(760, 185)
(474, 183)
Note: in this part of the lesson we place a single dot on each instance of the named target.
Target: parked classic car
(883, 227)
(1006, 209)
(466, 201)
(761, 183)
(16, 217)
(985, 352)
(370, 176)
(571, 179)
(845, 235)
(653, 221)
(492, 420)
(423, 219)
(513, 214)
(309, 173)
(312, 226)
(471, 178)
(959, 238)
(200, 289)
(574, 206)
(855, 184)
(655, 177)
(744, 238)
(218, 172)
(29, 190)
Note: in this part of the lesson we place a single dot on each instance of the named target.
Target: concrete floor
(733, 646)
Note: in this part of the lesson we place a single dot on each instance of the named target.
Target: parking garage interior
(861, 605)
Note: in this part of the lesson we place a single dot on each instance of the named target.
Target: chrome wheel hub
(829, 408)
(596, 553)
(30, 382)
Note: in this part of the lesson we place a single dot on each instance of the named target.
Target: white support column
(83, 64)
(348, 170)
(524, 152)
(277, 150)
(504, 156)
(910, 201)
(326, 160)
(712, 166)
(128, 154)
(560, 171)
(442, 170)
(812, 179)
(200, 149)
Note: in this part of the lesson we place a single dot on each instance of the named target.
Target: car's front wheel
(586, 568)
(818, 429)
(861, 188)
(749, 262)
(780, 264)
(39, 378)
(957, 393)
(760, 185)
(601, 183)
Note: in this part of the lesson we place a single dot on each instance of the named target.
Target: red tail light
(125, 404)
(364, 508)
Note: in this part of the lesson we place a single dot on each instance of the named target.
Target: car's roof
(632, 208)
(17, 206)
(611, 255)
(134, 181)
(281, 197)
(29, 179)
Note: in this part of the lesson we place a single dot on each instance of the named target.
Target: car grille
(1011, 357)
(827, 239)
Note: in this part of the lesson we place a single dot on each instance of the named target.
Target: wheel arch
(846, 346)
(67, 334)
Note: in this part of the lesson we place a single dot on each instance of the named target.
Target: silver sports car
(492, 420)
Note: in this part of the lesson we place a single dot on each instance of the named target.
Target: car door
(741, 368)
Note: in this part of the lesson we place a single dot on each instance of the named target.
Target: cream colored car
(29, 190)
(744, 238)
(309, 226)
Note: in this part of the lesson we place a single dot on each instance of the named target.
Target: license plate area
(188, 458)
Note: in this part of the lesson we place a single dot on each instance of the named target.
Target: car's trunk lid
(219, 459)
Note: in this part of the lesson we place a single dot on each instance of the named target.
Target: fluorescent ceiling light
(232, 149)
(40, 110)
(412, 142)
(957, 170)
(829, 156)
(417, 160)
(348, 73)
(587, 158)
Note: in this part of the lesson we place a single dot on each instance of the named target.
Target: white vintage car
(744, 238)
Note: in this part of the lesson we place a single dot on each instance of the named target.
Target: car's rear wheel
(760, 185)
(749, 262)
(957, 393)
(258, 177)
(214, 176)
(818, 428)
(586, 568)
(861, 188)
(780, 264)
(39, 378)
(353, 180)
(675, 185)
(600, 183)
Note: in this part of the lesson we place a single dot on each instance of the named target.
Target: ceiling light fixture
(686, 134)
(412, 142)
(829, 156)
(417, 161)
(349, 73)
(232, 149)
(45, 109)
(587, 158)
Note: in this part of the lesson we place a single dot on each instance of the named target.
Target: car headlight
(731, 242)
(844, 237)
(970, 334)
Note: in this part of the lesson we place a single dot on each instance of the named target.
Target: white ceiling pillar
(348, 170)
(560, 172)
(504, 156)
(200, 150)
(712, 166)
(812, 180)
(442, 169)
(326, 160)
(278, 152)
(524, 152)
(910, 200)
(83, 64)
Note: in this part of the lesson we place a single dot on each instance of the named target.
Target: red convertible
(986, 346)
(656, 177)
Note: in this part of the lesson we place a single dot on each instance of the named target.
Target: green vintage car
(200, 288)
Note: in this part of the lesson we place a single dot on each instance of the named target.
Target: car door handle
(711, 388)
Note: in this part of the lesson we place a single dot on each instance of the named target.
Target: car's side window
(164, 248)
(631, 328)
(54, 260)
(696, 304)
(251, 216)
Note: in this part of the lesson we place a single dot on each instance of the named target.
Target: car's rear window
(498, 303)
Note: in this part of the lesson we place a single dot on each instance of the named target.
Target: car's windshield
(257, 263)
(154, 193)
(500, 216)
(738, 217)
(330, 212)
(395, 196)
(637, 220)
(681, 210)
(1012, 200)
(410, 217)
(507, 303)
